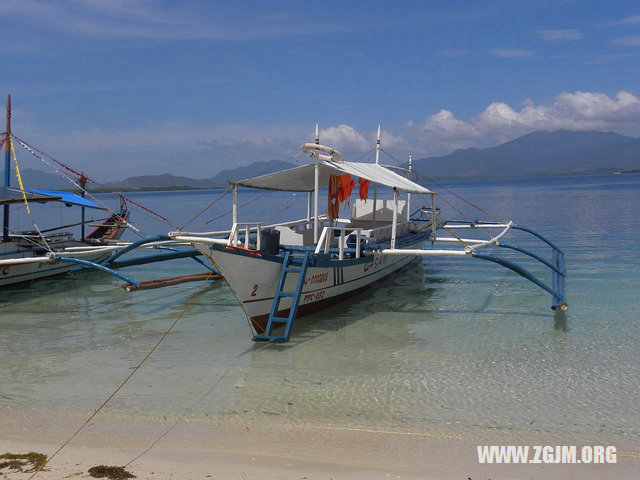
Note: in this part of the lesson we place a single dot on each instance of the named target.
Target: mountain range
(561, 152)
(37, 179)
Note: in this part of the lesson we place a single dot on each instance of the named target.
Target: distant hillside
(252, 170)
(220, 180)
(539, 153)
(40, 180)
(164, 180)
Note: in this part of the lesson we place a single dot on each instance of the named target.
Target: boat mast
(234, 211)
(309, 199)
(394, 224)
(82, 181)
(7, 171)
(316, 181)
(408, 194)
(375, 185)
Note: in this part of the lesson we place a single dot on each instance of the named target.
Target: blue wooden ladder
(275, 321)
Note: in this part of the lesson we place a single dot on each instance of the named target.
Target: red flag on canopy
(364, 188)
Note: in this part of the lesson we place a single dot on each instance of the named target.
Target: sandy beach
(267, 448)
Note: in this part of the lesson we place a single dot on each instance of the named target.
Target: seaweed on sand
(112, 473)
(17, 461)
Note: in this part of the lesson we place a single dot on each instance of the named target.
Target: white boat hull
(254, 279)
(23, 272)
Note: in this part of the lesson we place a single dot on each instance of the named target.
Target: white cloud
(345, 138)
(559, 35)
(501, 122)
(201, 151)
(628, 41)
(510, 53)
(147, 19)
(632, 20)
(455, 52)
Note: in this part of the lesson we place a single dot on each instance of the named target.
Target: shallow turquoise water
(448, 345)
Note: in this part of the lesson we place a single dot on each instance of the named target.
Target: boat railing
(472, 245)
(324, 243)
(248, 228)
(226, 233)
(384, 232)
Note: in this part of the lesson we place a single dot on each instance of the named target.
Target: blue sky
(123, 88)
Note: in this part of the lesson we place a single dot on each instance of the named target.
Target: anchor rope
(191, 407)
(125, 381)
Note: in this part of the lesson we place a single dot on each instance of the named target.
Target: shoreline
(228, 448)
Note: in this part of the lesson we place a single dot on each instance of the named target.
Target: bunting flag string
(33, 149)
(15, 161)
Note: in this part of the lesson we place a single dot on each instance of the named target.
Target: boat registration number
(318, 278)
(377, 262)
(313, 297)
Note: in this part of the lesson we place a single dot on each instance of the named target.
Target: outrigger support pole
(128, 248)
(532, 255)
(97, 266)
(557, 265)
(559, 300)
(160, 257)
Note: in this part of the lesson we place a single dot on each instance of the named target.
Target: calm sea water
(447, 345)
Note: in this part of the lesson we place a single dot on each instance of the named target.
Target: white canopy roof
(301, 179)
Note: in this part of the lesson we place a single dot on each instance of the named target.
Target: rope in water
(126, 380)
(191, 407)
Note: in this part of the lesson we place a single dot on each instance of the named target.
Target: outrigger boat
(282, 271)
(39, 253)
(30, 255)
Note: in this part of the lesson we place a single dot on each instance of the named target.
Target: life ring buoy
(322, 152)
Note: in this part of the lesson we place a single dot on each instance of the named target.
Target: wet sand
(266, 448)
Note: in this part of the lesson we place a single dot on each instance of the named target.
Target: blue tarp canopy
(69, 198)
(11, 195)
